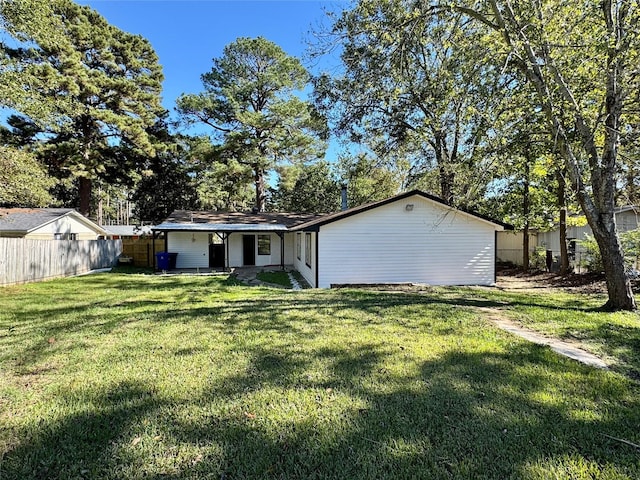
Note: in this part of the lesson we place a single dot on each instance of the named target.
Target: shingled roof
(29, 219)
(233, 221)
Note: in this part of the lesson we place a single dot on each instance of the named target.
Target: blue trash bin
(162, 261)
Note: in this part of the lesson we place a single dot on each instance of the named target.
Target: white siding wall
(551, 240)
(289, 248)
(191, 254)
(63, 225)
(309, 273)
(509, 245)
(429, 244)
(235, 249)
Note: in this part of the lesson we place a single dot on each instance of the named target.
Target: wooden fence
(23, 261)
(140, 250)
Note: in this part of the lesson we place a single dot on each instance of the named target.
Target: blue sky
(188, 34)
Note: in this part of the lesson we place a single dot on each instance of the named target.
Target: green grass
(132, 376)
(614, 336)
(276, 278)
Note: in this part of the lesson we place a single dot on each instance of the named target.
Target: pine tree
(87, 83)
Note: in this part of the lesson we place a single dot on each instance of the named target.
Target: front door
(248, 250)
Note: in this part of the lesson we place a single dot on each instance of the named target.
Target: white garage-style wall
(192, 248)
(413, 239)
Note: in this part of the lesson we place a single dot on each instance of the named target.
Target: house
(510, 243)
(409, 238)
(48, 224)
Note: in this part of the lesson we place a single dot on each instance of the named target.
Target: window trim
(299, 246)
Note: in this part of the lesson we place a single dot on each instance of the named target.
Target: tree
(581, 61)
(251, 102)
(166, 187)
(315, 190)
(105, 84)
(367, 179)
(413, 83)
(23, 180)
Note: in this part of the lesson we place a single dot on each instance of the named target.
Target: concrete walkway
(567, 349)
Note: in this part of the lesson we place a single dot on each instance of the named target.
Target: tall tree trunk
(84, 188)
(445, 172)
(261, 196)
(598, 204)
(562, 205)
(525, 213)
(618, 285)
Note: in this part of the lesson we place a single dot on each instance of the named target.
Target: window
(307, 249)
(299, 246)
(65, 236)
(264, 244)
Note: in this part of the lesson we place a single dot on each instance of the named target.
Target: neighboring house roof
(128, 230)
(316, 223)
(192, 221)
(27, 220)
(627, 208)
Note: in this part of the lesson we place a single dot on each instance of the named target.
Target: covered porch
(216, 248)
(226, 240)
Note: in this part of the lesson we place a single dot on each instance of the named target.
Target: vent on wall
(408, 207)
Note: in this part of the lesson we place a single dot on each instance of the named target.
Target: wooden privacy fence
(140, 250)
(23, 261)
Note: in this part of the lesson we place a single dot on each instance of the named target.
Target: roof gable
(317, 223)
(26, 220)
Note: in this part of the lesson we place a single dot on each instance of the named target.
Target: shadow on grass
(183, 300)
(463, 415)
(491, 414)
(79, 445)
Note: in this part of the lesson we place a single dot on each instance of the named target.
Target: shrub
(630, 246)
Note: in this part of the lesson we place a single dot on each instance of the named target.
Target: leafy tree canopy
(314, 189)
(23, 180)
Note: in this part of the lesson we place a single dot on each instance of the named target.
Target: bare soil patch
(517, 279)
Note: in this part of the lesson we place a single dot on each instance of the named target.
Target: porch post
(225, 240)
(153, 244)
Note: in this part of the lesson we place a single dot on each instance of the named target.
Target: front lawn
(134, 376)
